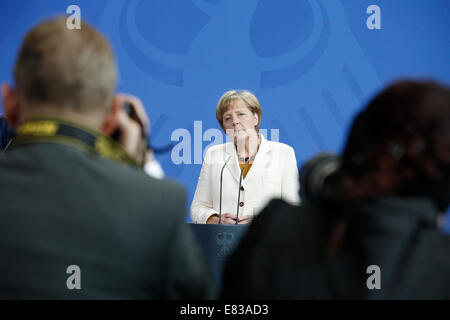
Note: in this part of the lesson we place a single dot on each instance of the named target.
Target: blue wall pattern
(312, 63)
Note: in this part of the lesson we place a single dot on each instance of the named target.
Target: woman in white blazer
(269, 169)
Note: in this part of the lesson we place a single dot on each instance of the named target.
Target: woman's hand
(227, 218)
(245, 220)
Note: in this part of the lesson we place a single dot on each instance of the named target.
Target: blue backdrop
(312, 64)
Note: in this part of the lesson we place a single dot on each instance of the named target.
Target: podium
(217, 242)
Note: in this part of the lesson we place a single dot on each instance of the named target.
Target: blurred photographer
(6, 133)
(72, 197)
(369, 226)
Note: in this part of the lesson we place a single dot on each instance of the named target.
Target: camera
(129, 109)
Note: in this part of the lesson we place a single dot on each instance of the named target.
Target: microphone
(239, 189)
(220, 201)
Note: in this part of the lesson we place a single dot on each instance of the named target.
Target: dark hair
(69, 69)
(399, 144)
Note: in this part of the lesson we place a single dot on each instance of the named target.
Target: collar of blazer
(261, 159)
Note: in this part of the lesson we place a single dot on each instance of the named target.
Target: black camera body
(128, 107)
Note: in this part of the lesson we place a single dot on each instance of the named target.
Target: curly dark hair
(400, 145)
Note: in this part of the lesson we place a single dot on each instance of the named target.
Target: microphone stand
(220, 202)
(239, 190)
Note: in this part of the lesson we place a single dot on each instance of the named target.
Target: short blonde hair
(245, 96)
(68, 69)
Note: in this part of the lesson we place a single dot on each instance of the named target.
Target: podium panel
(217, 242)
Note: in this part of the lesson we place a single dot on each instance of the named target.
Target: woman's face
(239, 121)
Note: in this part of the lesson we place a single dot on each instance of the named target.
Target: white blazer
(273, 174)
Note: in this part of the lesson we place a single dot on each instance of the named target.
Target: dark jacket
(286, 255)
(61, 206)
